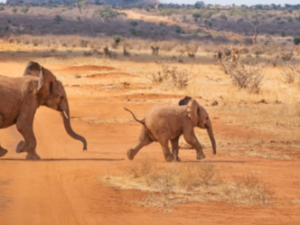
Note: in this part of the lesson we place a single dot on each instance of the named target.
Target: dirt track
(64, 187)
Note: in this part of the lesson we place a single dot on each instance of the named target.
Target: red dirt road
(64, 186)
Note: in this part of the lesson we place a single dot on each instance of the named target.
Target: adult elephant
(166, 123)
(20, 98)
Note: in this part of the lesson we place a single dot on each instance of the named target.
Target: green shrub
(57, 19)
(24, 9)
(196, 16)
(117, 40)
(14, 10)
(107, 13)
(134, 23)
(178, 30)
(135, 32)
(296, 41)
(282, 34)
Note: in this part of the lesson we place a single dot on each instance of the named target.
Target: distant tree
(296, 41)
(24, 9)
(196, 16)
(14, 10)
(255, 21)
(80, 4)
(57, 19)
(153, 3)
(199, 4)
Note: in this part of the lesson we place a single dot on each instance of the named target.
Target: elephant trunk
(67, 124)
(211, 136)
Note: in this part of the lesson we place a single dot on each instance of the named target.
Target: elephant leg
(25, 127)
(2, 150)
(166, 150)
(175, 148)
(190, 138)
(144, 140)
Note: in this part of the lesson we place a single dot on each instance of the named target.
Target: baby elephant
(164, 122)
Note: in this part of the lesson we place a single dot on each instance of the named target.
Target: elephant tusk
(66, 115)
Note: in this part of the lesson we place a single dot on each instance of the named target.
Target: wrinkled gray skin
(166, 123)
(20, 98)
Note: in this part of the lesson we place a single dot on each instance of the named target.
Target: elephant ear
(32, 69)
(46, 82)
(193, 111)
(185, 100)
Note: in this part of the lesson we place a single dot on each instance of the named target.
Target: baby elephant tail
(140, 121)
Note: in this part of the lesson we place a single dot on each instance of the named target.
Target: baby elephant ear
(192, 111)
(185, 100)
(33, 69)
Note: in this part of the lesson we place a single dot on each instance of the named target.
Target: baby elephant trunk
(67, 124)
(211, 136)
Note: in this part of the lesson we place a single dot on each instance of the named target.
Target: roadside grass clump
(244, 76)
(179, 183)
(290, 74)
(171, 76)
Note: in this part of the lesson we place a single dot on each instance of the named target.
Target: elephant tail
(143, 123)
(134, 117)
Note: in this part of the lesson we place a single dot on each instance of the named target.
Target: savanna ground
(253, 179)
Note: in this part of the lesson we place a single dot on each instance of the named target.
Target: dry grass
(171, 76)
(291, 74)
(182, 183)
(244, 76)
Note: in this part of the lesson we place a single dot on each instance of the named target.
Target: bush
(296, 41)
(57, 19)
(134, 23)
(14, 10)
(107, 13)
(171, 77)
(244, 76)
(24, 9)
(196, 16)
(117, 39)
(135, 32)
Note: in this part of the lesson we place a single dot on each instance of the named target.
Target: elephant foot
(130, 154)
(20, 147)
(200, 156)
(2, 152)
(169, 158)
(32, 156)
(177, 159)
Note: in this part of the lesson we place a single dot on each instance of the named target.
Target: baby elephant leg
(144, 140)
(165, 147)
(190, 138)
(2, 150)
(175, 149)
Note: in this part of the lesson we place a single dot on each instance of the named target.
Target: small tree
(57, 19)
(296, 41)
(24, 9)
(196, 16)
(154, 4)
(255, 21)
